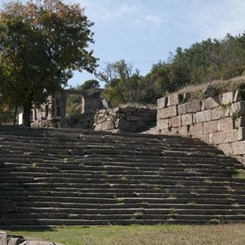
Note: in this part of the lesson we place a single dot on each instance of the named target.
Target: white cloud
(217, 18)
(125, 9)
(110, 12)
(153, 19)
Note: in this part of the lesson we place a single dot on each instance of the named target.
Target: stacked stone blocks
(128, 119)
(218, 120)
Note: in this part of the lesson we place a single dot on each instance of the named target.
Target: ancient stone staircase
(72, 177)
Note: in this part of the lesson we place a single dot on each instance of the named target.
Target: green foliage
(240, 174)
(41, 43)
(205, 61)
(72, 103)
(122, 83)
(89, 87)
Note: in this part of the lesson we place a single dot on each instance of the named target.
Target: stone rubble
(6, 239)
(128, 119)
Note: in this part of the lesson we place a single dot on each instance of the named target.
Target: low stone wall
(128, 119)
(83, 121)
(218, 120)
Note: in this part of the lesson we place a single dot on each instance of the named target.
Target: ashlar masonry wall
(218, 120)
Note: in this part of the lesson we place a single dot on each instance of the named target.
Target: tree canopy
(122, 82)
(41, 43)
(204, 61)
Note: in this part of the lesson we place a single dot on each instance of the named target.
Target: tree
(122, 82)
(41, 44)
(90, 87)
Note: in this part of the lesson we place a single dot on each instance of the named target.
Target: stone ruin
(54, 113)
(93, 112)
(125, 119)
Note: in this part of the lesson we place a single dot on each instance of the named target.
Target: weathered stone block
(196, 129)
(186, 119)
(167, 112)
(238, 107)
(107, 125)
(193, 106)
(173, 131)
(174, 99)
(165, 131)
(226, 124)
(238, 148)
(210, 103)
(210, 127)
(182, 109)
(205, 138)
(240, 122)
(18, 240)
(218, 138)
(169, 131)
(203, 116)
(163, 123)
(98, 127)
(219, 112)
(161, 103)
(183, 130)
(226, 148)
(241, 133)
(227, 98)
(230, 136)
(175, 121)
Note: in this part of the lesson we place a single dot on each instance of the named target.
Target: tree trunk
(27, 115)
(15, 114)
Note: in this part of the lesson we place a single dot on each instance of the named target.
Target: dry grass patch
(219, 86)
(142, 235)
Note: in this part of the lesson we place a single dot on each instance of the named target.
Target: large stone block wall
(218, 120)
(128, 119)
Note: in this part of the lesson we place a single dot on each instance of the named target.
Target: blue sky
(143, 32)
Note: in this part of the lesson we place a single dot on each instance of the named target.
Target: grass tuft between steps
(239, 174)
(230, 234)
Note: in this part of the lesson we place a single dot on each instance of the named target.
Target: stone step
(121, 216)
(83, 182)
(38, 169)
(121, 199)
(109, 144)
(126, 194)
(15, 189)
(87, 165)
(165, 205)
(169, 220)
(130, 211)
(77, 177)
(237, 184)
(108, 175)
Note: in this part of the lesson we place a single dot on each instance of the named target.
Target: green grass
(240, 174)
(142, 235)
